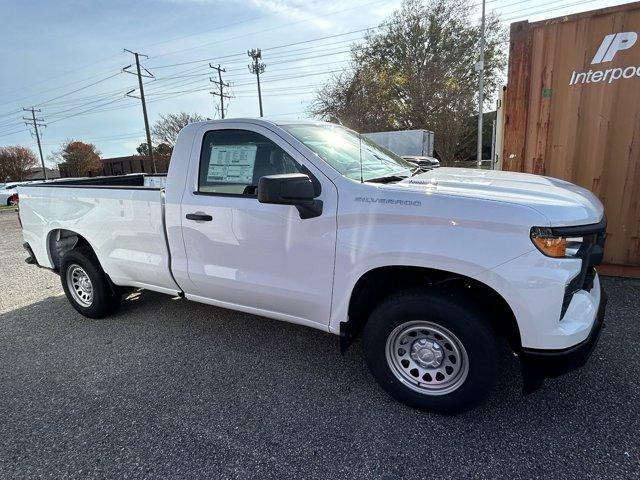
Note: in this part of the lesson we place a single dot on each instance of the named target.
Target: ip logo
(612, 44)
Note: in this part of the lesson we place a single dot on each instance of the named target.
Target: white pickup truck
(310, 223)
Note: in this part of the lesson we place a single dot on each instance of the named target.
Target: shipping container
(572, 111)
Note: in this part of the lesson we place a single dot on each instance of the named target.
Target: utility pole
(257, 68)
(144, 105)
(480, 70)
(34, 121)
(221, 86)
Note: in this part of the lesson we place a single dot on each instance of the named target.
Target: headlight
(553, 245)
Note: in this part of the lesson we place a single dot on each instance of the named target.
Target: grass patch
(7, 208)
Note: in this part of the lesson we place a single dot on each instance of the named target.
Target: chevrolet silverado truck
(311, 223)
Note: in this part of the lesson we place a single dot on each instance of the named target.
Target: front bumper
(540, 364)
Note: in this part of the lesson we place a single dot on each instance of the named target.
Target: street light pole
(480, 69)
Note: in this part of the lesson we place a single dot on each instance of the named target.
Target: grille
(590, 252)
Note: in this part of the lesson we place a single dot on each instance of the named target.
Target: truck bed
(141, 180)
(122, 218)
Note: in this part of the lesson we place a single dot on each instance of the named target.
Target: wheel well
(62, 241)
(381, 282)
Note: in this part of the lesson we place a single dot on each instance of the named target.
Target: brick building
(120, 166)
(125, 165)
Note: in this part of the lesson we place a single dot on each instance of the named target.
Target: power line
(270, 48)
(13, 112)
(277, 27)
(108, 138)
(217, 29)
(77, 114)
(547, 10)
(78, 103)
(241, 72)
(77, 90)
(53, 88)
(519, 14)
(13, 133)
(13, 122)
(52, 101)
(92, 99)
(98, 103)
(75, 107)
(271, 79)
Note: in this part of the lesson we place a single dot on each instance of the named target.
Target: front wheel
(86, 285)
(432, 350)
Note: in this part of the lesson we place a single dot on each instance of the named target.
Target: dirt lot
(173, 389)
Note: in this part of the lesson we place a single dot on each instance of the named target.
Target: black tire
(104, 300)
(450, 313)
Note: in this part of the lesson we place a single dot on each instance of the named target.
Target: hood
(563, 203)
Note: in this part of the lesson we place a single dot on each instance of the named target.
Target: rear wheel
(86, 285)
(431, 350)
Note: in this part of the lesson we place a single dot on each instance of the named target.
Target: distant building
(119, 166)
(36, 174)
(125, 165)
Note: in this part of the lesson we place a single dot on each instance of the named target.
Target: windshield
(343, 149)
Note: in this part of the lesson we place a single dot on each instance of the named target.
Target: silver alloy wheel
(80, 285)
(427, 358)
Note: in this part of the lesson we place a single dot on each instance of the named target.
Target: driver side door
(251, 256)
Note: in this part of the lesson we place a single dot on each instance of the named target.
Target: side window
(232, 162)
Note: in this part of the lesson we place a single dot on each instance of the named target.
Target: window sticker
(232, 164)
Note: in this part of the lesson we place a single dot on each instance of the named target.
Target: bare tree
(78, 159)
(417, 71)
(167, 128)
(16, 163)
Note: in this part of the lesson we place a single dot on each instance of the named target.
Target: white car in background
(7, 191)
(425, 163)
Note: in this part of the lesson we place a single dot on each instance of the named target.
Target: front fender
(457, 235)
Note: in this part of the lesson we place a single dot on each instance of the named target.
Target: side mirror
(290, 189)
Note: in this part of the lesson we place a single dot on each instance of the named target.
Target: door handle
(199, 217)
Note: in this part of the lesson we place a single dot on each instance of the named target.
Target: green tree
(418, 71)
(16, 162)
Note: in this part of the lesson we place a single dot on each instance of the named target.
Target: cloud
(295, 9)
(299, 10)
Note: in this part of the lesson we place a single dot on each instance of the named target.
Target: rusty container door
(572, 111)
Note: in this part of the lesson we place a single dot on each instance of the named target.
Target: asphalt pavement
(169, 388)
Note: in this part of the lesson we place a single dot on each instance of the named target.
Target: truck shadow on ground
(165, 369)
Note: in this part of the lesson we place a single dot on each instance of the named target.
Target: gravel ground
(173, 389)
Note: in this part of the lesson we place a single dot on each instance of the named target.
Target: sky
(65, 57)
